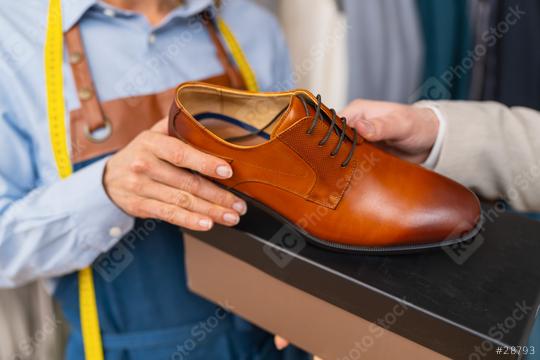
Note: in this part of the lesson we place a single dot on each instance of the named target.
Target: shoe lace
(341, 132)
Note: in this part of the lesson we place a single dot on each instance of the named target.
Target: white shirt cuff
(101, 222)
(433, 157)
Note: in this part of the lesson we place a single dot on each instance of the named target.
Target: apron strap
(83, 80)
(90, 105)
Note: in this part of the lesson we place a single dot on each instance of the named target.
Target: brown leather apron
(119, 121)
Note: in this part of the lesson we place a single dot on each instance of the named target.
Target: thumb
(383, 128)
(162, 126)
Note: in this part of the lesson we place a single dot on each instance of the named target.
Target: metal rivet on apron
(100, 134)
(85, 94)
(75, 58)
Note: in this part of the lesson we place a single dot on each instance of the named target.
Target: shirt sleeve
(494, 150)
(53, 229)
(433, 157)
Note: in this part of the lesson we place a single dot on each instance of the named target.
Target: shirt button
(109, 12)
(152, 38)
(115, 232)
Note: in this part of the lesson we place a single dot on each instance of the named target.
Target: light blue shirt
(50, 227)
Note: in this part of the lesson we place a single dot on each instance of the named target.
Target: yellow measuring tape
(54, 83)
(54, 44)
(239, 56)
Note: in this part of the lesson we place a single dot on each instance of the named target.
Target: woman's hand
(153, 177)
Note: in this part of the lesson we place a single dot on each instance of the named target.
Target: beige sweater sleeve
(494, 150)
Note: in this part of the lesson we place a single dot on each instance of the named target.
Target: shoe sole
(387, 250)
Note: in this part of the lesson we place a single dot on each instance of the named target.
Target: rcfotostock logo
(375, 331)
(112, 263)
(463, 250)
(287, 241)
(200, 332)
(438, 87)
(432, 89)
(28, 348)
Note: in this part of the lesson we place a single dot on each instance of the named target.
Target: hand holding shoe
(403, 130)
(153, 177)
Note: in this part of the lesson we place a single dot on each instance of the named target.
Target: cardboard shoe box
(463, 302)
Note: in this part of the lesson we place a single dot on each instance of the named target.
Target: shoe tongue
(295, 112)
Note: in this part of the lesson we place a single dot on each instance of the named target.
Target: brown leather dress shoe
(293, 157)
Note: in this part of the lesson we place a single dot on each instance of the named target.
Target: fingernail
(240, 207)
(205, 223)
(369, 129)
(232, 219)
(224, 171)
